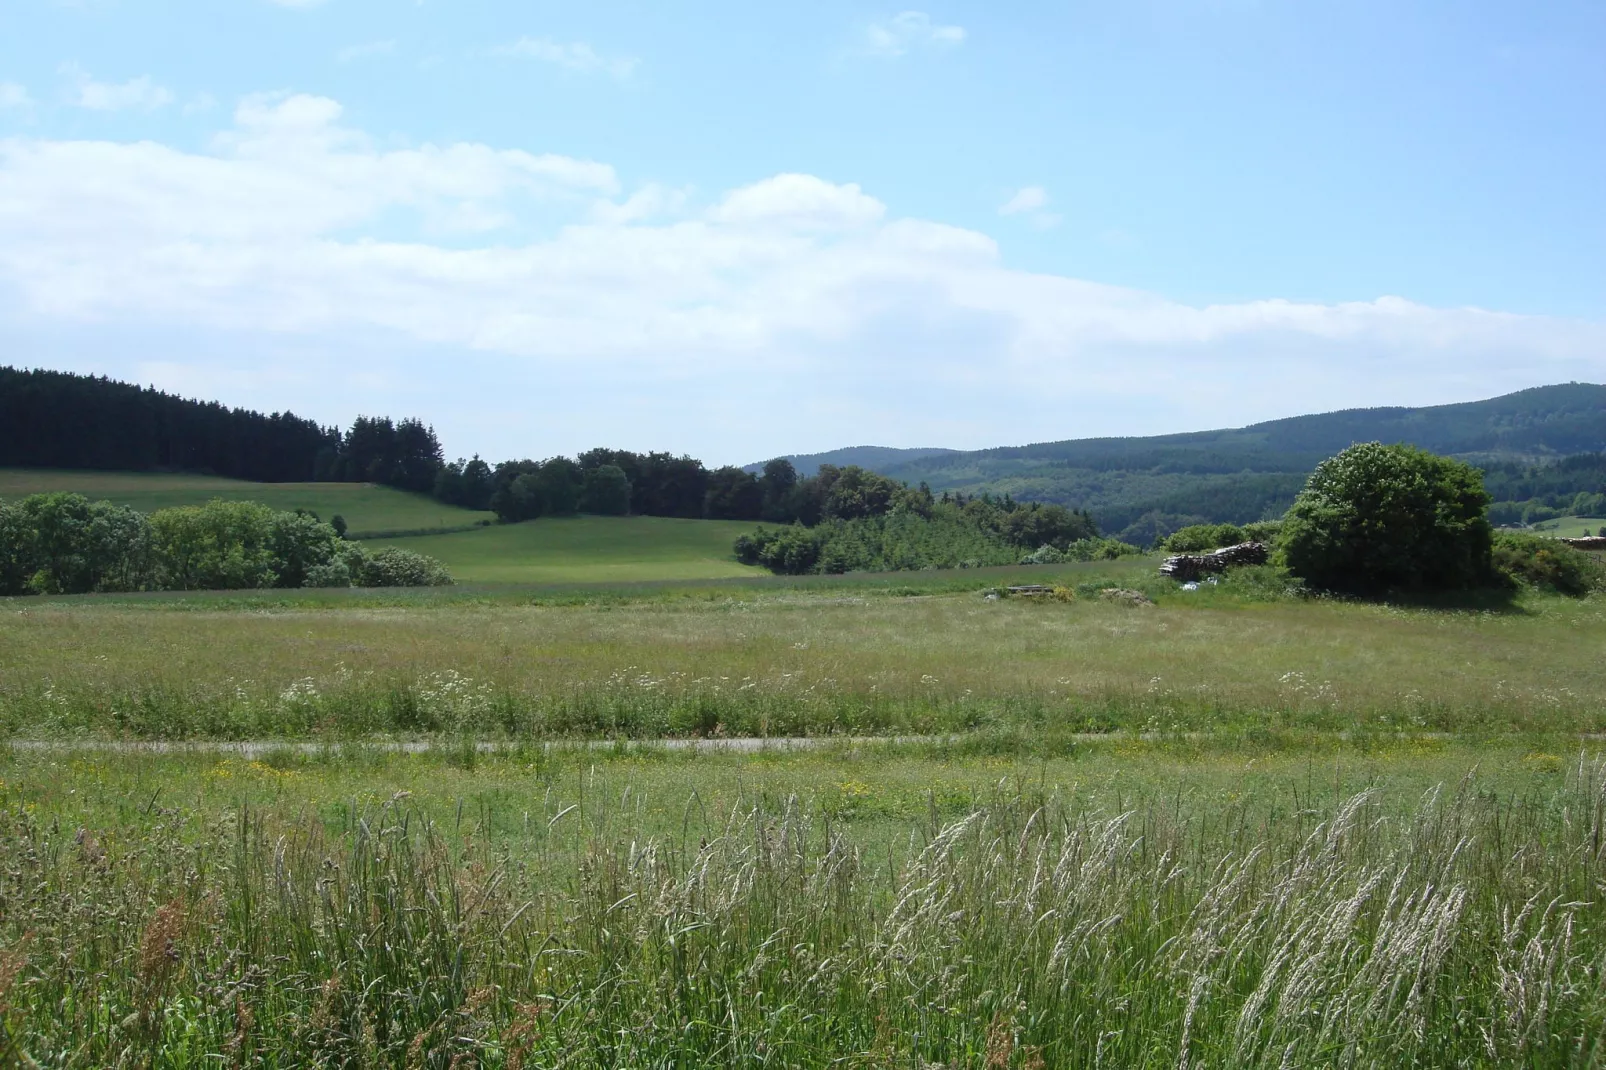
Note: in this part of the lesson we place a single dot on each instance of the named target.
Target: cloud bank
(791, 313)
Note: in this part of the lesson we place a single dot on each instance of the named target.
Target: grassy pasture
(852, 656)
(590, 549)
(1234, 828)
(366, 506)
(1570, 527)
(1409, 903)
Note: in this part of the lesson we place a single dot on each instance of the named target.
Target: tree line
(52, 419)
(860, 521)
(67, 544)
(62, 420)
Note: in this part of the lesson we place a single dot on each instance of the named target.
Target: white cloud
(1026, 199)
(140, 93)
(907, 31)
(363, 51)
(789, 313)
(13, 95)
(650, 202)
(800, 201)
(576, 56)
(1031, 202)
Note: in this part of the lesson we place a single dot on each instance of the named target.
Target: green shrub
(67, 544)
(16, 554)
(335, 573)
(790, 551)
(1376, 518)
(238, 545)
(1266, 531)
(395, 567)
(1046, 554)
(1197, 538)
(1106, 549)
(1547, 564)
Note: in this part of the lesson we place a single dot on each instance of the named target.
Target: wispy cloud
(1032, 203)
(908, 31)
(139, 94)
(368, 48)
(575, 56)
(13, 95)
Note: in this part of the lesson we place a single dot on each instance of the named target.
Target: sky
(740, 230)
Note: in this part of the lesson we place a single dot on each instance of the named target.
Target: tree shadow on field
(1501, 600)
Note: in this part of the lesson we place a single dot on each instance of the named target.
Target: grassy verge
(1130, 905)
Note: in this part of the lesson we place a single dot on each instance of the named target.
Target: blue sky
(742, 229)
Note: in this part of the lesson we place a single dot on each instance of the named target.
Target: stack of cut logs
(1186, 567)
(1592, 542)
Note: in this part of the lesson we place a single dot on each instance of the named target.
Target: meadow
(773, 659)
(369, 509)
(1570, 527)
(1125, 904)
(589, 549)
(1233, 827)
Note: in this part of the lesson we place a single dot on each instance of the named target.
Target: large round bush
(1376, 518)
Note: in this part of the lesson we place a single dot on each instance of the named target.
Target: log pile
(1593, 542)
(1186, 567)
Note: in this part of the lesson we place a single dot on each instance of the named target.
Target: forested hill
(1142, 486)
(875, 458)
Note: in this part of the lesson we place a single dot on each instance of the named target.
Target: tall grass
(1033, 931)
(802, 663)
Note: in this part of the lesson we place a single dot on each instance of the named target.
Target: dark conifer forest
(61, 420)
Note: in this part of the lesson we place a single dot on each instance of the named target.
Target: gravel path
(258, 748)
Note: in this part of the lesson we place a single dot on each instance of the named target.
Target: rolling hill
(1138, 486)
(875, 458)
(369, 509)
(589, 549)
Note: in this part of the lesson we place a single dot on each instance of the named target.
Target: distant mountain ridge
(875, 458)
(1138, 486)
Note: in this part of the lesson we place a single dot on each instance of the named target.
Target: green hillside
(875, 458)
(1133, 485)
(367, 508)
(589, 549)
(1571, 527)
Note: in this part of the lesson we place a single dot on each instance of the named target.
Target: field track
(259, 748)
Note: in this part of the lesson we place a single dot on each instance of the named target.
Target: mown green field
(590, 549)
(1571, 527)
(367, 507)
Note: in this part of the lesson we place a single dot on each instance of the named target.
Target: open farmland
(1570, 527)
(590, 549)
(1237, 827)
(367, 507)
(771, 658)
